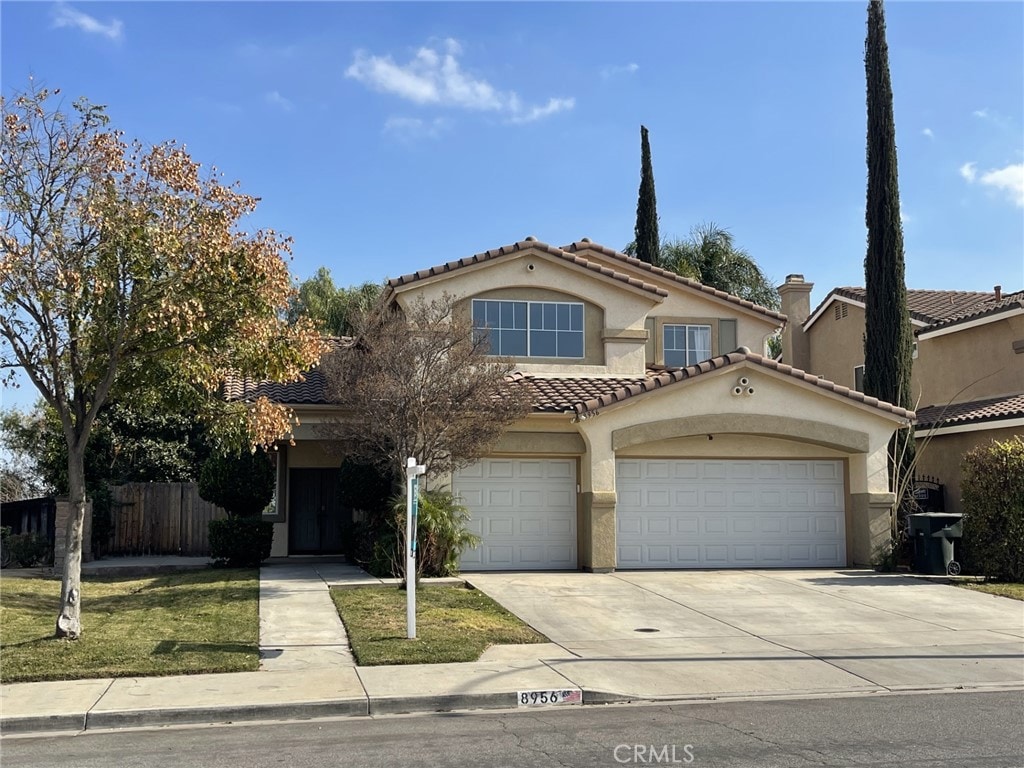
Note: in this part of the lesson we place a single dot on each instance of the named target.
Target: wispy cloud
(620, 69)
(275, 99)
(434, 76)
(65, 16)
(410, 129)
(981, 113)
(928, 132)
(1008, 180)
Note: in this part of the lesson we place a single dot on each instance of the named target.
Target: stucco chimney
(796, 304)
(999, 292)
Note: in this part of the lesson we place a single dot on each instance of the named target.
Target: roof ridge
(586, 244)
(522, 245)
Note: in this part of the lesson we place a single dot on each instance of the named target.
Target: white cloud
(275, 99)
(66, 16)
(537, 113)
(409, 129)
(1009, 180)
(981, 113)
(434, 77)
(620, 69)
(969, 171)
(928, 132)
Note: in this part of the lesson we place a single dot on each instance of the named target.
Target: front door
(314, 513)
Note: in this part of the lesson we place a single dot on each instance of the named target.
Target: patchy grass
(452, 624)
(1003, 589)
(167, 624)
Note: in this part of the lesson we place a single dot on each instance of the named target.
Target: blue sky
(389, 137)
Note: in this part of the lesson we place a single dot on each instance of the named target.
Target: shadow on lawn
(167, 647)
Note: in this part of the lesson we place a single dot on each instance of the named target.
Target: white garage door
(676, 513)
(523, 510)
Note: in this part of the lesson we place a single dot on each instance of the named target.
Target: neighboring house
(658, 439)
(968, 378)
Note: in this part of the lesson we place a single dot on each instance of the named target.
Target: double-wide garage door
(523, 510)
(687, 513)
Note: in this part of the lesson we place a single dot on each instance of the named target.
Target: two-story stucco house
(657, 439)
(968, 376)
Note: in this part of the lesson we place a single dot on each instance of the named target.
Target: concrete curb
(42, 723)
(200, 715)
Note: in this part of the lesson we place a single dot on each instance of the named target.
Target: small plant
(442, 536)
(28, 549)
(5, 550)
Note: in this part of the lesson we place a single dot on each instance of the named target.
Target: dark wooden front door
(314, 513)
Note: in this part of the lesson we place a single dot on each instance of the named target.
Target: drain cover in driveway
(646, 629)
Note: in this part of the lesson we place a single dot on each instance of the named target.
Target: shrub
(243, 484)
(28, 549)
(442, 536)
(993, 499)
(241, 542)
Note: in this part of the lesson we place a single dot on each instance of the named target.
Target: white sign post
(412, 474)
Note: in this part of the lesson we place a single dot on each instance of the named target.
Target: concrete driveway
(697, 633)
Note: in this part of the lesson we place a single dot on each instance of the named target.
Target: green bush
(240, 542)
(243, 484)
(442, 537)
(993, 500)
(28, 549)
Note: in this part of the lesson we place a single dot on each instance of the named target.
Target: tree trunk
(69, 620)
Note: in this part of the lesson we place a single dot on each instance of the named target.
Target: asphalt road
(946, 729)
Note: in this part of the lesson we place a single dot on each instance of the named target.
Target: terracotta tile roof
(309, 390)
(643, 265)
(561, 394)
(1009, 302)
(926, 307)
(972, 412)
(527, 244)
(670, 376)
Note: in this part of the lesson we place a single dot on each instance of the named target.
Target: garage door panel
(723, 513)
(523, 510)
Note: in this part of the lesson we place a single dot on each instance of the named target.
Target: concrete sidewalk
(735, 634)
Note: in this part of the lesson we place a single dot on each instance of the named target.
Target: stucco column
(869, 518)
(796, 305)
(597, 499)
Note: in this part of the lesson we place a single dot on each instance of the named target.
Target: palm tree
(710, 256)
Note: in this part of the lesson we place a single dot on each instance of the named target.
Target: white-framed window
(531, 328)
(686, 344)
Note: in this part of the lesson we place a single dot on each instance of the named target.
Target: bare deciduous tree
(421, 384)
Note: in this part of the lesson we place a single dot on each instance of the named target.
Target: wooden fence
(161, 519)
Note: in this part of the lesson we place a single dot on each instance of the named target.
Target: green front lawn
(1003, 589)
(452, 624)
(168, 624)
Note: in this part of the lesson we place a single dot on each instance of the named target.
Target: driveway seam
(849, 600)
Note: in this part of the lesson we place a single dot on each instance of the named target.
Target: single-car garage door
(523, 510)
(703, 513)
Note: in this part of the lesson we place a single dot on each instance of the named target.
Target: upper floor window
(686, 344)
(531, 328)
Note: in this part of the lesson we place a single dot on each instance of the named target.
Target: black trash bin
(933, 534)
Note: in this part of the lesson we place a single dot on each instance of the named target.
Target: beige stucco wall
(970, 364)
(532, 273)
(941, 458)
(837, 346)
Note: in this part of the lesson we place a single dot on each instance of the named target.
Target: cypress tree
(646, 231)
(888, 340)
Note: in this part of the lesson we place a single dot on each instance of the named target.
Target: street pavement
(629, 636)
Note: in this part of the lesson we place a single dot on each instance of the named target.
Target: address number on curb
(547, 698)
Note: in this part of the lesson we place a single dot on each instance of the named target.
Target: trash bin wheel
(953, 569)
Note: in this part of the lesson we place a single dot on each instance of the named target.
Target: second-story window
(531, 328)
(687, 344)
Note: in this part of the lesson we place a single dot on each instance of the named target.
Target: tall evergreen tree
(888, 340)
(646, 231)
